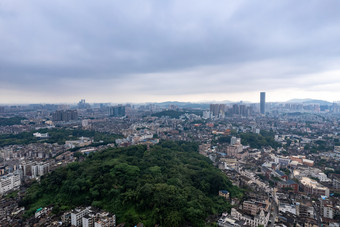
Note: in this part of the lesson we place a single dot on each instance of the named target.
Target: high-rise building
(65, 115)
(83, 105)
(262, 102)
(236, 109)
(217, 110)
(117, 111)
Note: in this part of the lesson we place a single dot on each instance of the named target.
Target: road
(274, 212)
(317, 213)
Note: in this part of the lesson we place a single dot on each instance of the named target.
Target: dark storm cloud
(166, 47)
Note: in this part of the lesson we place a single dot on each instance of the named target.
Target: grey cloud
(165, 47)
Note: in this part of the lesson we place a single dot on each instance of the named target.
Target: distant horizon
(174, 101)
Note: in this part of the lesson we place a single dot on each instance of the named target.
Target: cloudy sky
(192, 50)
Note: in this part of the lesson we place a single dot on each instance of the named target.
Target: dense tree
(259, 140)
(11, 121)
(57, 136)
(177, 114)
(169, 184)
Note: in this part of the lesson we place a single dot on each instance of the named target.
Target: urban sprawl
(285, 156)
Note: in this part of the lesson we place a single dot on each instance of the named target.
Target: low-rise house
(224, 193)
(313, 187)
(290, 184)
(260, 219)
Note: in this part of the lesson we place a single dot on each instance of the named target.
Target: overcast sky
(192, 50)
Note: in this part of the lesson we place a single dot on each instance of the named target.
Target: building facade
(117, 111)
(9, 182)
(65, 115)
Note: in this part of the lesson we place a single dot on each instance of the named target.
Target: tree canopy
(56, 135)
(11, 121)
(258, 140)
(176, 114)
(170, 184)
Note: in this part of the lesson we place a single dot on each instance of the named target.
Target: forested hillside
(170, 184)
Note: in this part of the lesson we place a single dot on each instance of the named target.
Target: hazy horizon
(154, 51)
(170, 101)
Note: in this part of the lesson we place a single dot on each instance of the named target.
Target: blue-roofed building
(281, 174)
(224, 193)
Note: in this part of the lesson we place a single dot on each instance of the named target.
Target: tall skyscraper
(217, 110)
(262, 102)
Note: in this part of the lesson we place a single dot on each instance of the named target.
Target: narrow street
(274, 212)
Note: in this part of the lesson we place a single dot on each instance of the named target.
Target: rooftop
(312, 183)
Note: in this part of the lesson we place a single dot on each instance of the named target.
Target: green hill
(170, 184)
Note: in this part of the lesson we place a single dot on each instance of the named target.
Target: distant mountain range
(309, 101)
(184, 104)
(205, 104)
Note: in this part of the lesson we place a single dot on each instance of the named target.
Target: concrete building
(77, 216)
(290, 184)
(40, 135)
(260, 219)
(35, 169)
(263, 102)
(305, 210)
(85, 124)
(253, 207)
(105, 220)
(42, 211)
(43, 168)
(298, 158)
(290, 208)
(217, 110)
(235, 141)
(283, 161)
(88, 220)
(9, 182)
(206, 114)
(81, 142)
(308, 162)
(227, 221)
(328, 211)
(336, 181)
(321, 176)
(313, 187)
(65, 115)
(117, 111)
(233, 150)
(327, 208)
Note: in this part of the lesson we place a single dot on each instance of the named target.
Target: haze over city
(154, 51)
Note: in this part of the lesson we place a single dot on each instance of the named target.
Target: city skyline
(174, 102)
(151, 51)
